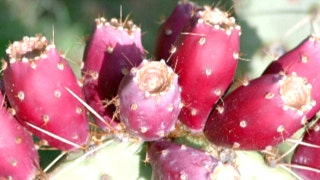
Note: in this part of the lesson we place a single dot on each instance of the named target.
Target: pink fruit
(205, 60)
(171, 27)
(262, 113)
(176, 162)
(19, 158)
(36, 81)
(304, 60)
(150, 100)
(114, 48)
(307, 156)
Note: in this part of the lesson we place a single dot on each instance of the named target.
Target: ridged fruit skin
(176, 162)
(113, 49)
(36, 78)
(19, 158)
(260, 114)
(150, 100)
(308, 156)
(205, 60)
(304, 60)
(171, 27)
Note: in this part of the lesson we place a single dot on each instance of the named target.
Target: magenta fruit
(19, 158)
(205, 60)
(171, 27)
(150, 100)
(304, 60)
(262, 113)
(114, 48)
(36, 80)
(175, 162)
(306, 157)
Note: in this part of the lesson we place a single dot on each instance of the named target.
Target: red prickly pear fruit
(308, 156)
(304, 60)
(205, 60)
(150, 100)
(114, 48)
(19, 158)
(36, 79)
(171, 27)
(262, 113)
(175, 162)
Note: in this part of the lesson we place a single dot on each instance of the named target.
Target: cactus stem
(81, 158)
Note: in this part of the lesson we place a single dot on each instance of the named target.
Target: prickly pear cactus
(218, 90)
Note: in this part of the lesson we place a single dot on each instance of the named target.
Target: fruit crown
(295, 91)
(155, 78)
(126, 25)
(218, 19)
(29, 48)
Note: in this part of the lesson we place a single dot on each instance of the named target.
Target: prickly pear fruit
(262, 113)
(150, 100)
(304, 60)
(114, 48)
(37, 79)
(205, 60)
(171, 27)
(307, 157)
(176, 162)
(19, 158)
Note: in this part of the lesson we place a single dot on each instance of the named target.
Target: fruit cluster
(184, 92)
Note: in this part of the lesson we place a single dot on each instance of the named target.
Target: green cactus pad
(111, 160)
(247, 159)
